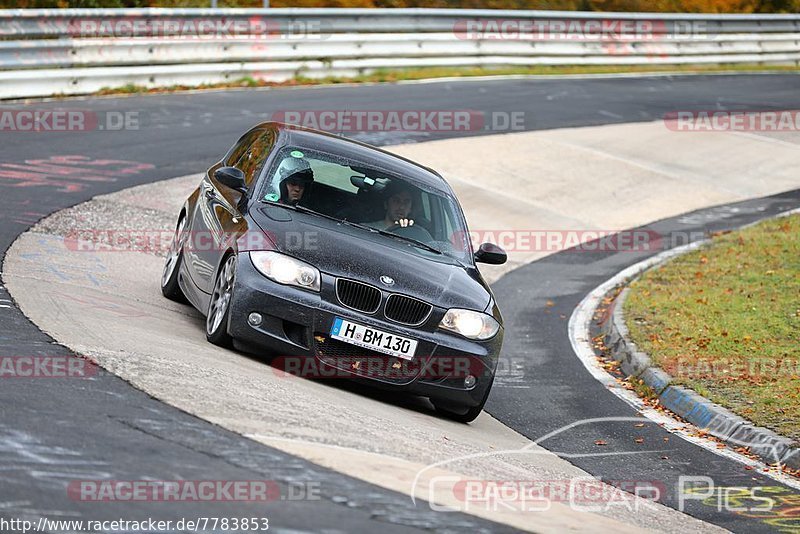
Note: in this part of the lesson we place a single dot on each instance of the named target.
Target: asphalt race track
(107, 429)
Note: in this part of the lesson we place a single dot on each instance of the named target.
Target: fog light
(470, 381)
(255, 319)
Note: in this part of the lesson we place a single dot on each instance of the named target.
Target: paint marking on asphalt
(609, 114)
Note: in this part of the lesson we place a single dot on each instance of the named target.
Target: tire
(468, 414)
(170, 287)
(219, 306)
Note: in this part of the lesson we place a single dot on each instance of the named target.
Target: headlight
(471, 324)
(286, 270)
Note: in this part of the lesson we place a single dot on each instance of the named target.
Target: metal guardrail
(78, 51)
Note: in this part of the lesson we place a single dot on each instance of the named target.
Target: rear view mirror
(365, 183)
(491, 254)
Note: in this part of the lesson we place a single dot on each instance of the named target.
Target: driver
(398, 205)
(296, 178)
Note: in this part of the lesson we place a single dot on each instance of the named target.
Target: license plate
(370, 338)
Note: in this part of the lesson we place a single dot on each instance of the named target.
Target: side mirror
(231, 177)
(491, 254)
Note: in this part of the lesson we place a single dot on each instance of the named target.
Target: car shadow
(356, 386)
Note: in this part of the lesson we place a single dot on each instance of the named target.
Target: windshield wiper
(420, 244)
(298, 207)
(302, 209)
(359, 225)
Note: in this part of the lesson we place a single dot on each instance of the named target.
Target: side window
(235, 153)
(251, 160)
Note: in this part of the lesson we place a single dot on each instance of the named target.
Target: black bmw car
(338, 259)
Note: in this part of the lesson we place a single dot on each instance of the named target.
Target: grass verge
(447, 72)
(725, 321)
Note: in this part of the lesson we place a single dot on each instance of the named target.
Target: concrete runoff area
(107, 305)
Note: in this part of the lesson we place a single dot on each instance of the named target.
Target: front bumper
(295, 330)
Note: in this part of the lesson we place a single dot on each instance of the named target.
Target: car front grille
(365, 362)
(407, 310)
(358, 296)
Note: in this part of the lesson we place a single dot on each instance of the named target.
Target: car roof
(362, 152)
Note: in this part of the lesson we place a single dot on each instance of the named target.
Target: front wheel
(466, 414)
(219, 307)
(467, 417)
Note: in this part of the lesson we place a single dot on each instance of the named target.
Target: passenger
(398, 205)
(295, 180)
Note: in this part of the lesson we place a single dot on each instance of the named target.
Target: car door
(217, 219)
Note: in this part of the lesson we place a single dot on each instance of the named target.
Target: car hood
(345, 251)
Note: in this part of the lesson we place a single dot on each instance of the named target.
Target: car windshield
(377, 201)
